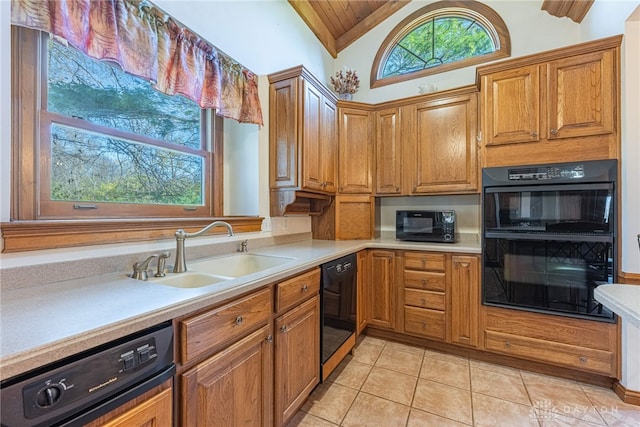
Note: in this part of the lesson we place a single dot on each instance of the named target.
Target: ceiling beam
(574, 9)
(313, 21)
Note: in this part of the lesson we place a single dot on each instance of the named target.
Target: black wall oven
(549, 235)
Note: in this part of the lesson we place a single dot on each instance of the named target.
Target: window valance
(146, 42)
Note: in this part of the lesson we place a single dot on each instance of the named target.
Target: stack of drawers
(425, 294)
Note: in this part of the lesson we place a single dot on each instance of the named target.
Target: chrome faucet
(243, 247)
(180, 265)
(140, 269)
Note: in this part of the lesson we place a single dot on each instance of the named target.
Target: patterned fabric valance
(146, 42)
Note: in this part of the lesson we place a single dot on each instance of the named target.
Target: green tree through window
(440, 37)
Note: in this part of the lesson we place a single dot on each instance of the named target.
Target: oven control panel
(542, 173)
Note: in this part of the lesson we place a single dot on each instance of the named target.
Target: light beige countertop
(45, 323)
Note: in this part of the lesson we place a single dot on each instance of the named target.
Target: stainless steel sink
(237, 265)
(189, 280)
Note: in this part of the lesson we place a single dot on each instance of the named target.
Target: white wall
(531, 29)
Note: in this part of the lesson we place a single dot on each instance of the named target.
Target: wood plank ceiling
(338, 23)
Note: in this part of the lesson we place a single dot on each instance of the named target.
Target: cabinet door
(283, 134)
(355, 151)
(155, 411)
(443, 158)
(465, 299)
(328, 149)
(388, 152)
(511, 106)
(582, 95)
(313, 105)
(297, 358)
(362, 292)
(382, 289)
(231, 388)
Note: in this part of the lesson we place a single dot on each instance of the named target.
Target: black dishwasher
(81, 388)
(338, 306)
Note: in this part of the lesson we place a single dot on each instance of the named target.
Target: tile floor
(387, 384)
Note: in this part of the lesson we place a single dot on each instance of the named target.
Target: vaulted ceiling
(338, 23)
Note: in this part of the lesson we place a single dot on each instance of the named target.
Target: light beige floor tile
(350, 373)
(367, 352)
(418, 418)
(371, 340)
(302, 419)
(613, 410)
(330, 401)
(492, 412)
(400, 361)
(444, 400)
(406, 347)
(534, 378)
(372, 411)
(390, 385)
(571, 402)
(506, 370)
(446, 372)
(430, 354)
(497, 384)
(551, 419)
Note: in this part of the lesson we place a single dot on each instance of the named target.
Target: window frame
(28, 229)
(476, 10)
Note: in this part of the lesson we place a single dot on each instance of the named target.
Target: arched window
(440, 37)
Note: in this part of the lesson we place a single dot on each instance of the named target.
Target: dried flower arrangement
(347, 82)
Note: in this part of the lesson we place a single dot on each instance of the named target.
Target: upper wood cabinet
(388, 151)
(440, 136)
(561, 105)
(302, 133)
(355, 151)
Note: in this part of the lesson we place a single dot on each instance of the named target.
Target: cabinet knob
(424, 302)
(534, 134)
(397, 189)
(554, 131)
(305, 288)
(283, 328)
(424, 262)
(424, 281)
(424, 324)
(507, 344)
(583, 359)
(270, 339)
(239, 320)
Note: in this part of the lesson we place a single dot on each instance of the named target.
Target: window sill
(20, 236)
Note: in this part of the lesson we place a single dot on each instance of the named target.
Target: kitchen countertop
(43, 324)
(624, 300)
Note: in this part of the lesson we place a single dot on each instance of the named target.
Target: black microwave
(426, 226)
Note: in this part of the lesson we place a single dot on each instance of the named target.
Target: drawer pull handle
(270, 339)
(283, 329)
(554, 131)
(239, 320)
(424, 281)
(583, 359)
(424, 262)
(424, 301)
(305, 288)
(507, 344)
(424, 324)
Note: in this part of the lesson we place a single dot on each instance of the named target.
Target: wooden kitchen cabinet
(465, 299)
(297, 346)
(303, 139)
(232, 387)
(440, 136)
(561, 105)
(355, 150)
(388, 151)
(382, 289)
(579, 344)
(425, 294)
(362, 292)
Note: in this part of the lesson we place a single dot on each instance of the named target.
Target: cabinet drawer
(424, 280)
(424, 299)
(425, 322)
(203, 333)
(551, 352)
(295, 290)
(424, 261)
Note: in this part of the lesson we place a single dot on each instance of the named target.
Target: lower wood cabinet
(233, 387)
(297, 358)
(382, 289)
(465, 299)
(153, 408)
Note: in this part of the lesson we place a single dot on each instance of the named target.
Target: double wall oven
(549, 237)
